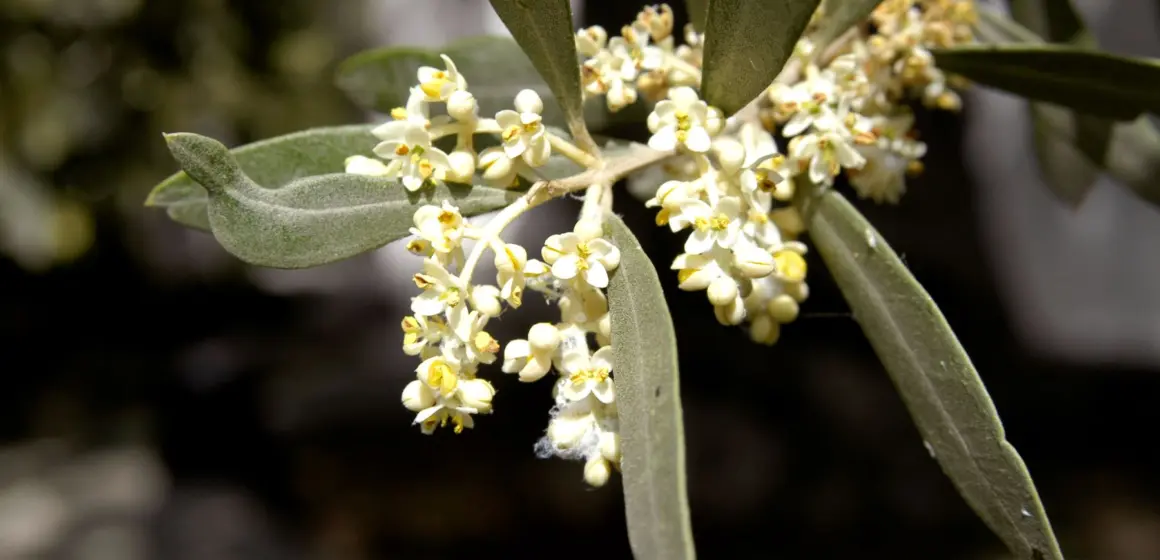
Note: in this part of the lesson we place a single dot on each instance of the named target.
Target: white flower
(532, 358)
(696, 272)
(584, 307)
(633, 45)
(719, 224)
(523, 133)
(362, 165)
(408, 145)
(478, 345)
(442, 292)
(610, 75)
(476, 394)
(826, 153)
(591, 40)
(440, 375)
(438, 85)
(680, 119)
(809, 102)
(499, 170)
(669, 197)
(588, 374)
(512, 269)
(415, 111)
(421, 333)
(438, 415)
(590, 260)
(442, 227)
(418, 396)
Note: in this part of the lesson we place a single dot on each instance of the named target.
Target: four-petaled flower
(588, 374)
(679, 120)
(719, 224)
(572, 257)
(407, 145)
(438, 85)
(521, 130)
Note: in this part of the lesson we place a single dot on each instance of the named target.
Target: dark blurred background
(164, 401)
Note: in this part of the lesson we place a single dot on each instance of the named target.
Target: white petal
(427, 413)
(665, 139)
(797, 123)
(698, 140)
(391, 131)
(566, 267)
(596, 275)
(412, 182)
(427, 304)
(602, 358)
(605, 391)
(699, 242)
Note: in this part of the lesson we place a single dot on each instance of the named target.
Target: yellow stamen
(720, 222)
(451, 297)
(419, 246)
(684, 274)
(411, 325)
(510, 133)
(442, 377)
(790, 265)
(402, 150)
(423, 282)
(663, 217)
(399, 114)
(448, 218)
(485, 343)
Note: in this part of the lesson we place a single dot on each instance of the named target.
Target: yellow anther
(583, 250)
(682, 135)
(720, 222)
(458, 424)
(510, 133)
(399, 114)
(448, 218)
(419, 246)
(758, 217)
(790, 265)
(701, 224)
(531, 127)
(451, 297)
(425, 169)
(517, 296)
(684, 274)
(411, 325)
(410, 338)
(485, 343)
(402, 150)
(442, 377)
(663, 217)
(423, 282)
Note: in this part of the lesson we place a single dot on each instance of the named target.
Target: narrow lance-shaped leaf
(747, 42)
(1067, 172)
(1089, 81)
(648, 398)
(271, 163)
(933, 374)
(311, 221)
(841, 15)
(544, 29)
(1129, 152)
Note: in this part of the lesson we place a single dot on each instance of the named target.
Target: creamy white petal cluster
(407, 150)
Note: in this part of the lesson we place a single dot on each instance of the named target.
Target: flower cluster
(842, 108)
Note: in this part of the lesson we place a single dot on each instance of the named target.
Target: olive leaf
(271, 163)
(947, 399)
(1127, 151)
(648, 398)
(1089, 81)
(747, 42)
(697, 11)
(314, 220)
(839, 16)
(543, 28)
(1063, 166)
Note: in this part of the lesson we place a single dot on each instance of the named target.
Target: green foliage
(311, 221)
(1057, 20)
(839, 16)
(1089, 81)
(272, 163)
(932, 372)
(698, 10)
(544, 29)
(648, 399)
(747, 42)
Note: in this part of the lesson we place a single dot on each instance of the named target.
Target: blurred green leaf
(747, 42)
(995, 28)
(697, 9)
(272, 163)
(1056, 20)
(543, 28)
(1090, 81)
(841, 15)
(933, 374)
(648, 398)
(314, 220)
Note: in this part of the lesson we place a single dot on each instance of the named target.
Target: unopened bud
(477, 394)
(588, 229)
(610, 446)
(462, 106)
(596, 472)
(544, 337)
(528, 101)
(722, 290)
(730, 154)
(417, 396)
(764, 330)
(462, 166)
(783, 308)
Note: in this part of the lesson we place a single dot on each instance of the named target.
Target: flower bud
(589, 41)
(715, 122)
(732, 314)
(798, 291)
(362, 165)
(588, 229)
(753, 262)
(604, 326)
(497, 167)
(485, 299)
(544, 337)
(764, 330)
(528, 101)
(783, 308)
(417, 396)
(462, 166)
(610, 446)
(597, 471)
(515, 355)
(722, 290)
(477, 394)
(462, 106)
(567, 430)
(730, 154)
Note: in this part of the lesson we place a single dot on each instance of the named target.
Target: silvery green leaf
(310, 221)
(1089, 81)
(747, 42)
(931, 371)
(648, 398)
(697, 9)
(543, 28)
(841, 15)
(271, 163)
